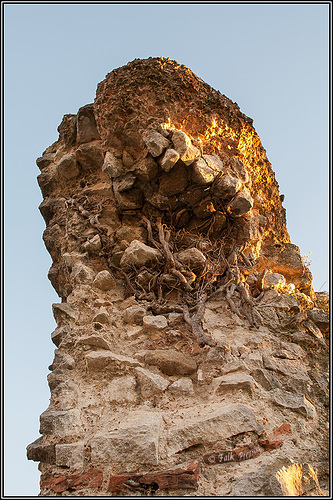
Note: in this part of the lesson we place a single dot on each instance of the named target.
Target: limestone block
(159, 201)
(127, 159)
(112, 165)
(202, 173)
(124, 183)
(272, 279)
(288, 367)
(93, 245)
(65, 395)
(169, 159)
(233, 381)
(70, 455)
(82, 274)
(104, 281)
(129, 200)
(48, 180)
(134, 315)
(60, 334)
(65, 314)
(95, 341)
(67, 166)
(224, 422)
(155, 142)
(102, 316)
(61, 423)
(320, 318)
(182, 387)
(45, 160)
(136, 440)
(86, 124)
(62, 360)
(139, 254)
(40, 452)
(121, 390)
(51, 206)
(183, 145)
(192, 257)
(226, 187)
(173, 182)
(266, 379)
(90, 156)
(238, 168)
(154, 323)
(171, 362)
(295, 402)
(241, 204)
(107, 360)
(67, 130)
(150, 383)
(57, 377)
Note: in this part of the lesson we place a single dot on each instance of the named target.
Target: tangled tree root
(220, 275)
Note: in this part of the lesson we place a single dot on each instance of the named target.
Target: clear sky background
(272, 59)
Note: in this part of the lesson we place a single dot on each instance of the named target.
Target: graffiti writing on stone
(237, 455)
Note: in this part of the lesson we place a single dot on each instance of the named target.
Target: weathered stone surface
(67, 166)
(227, 421)
(241, 203)
(263, 481)
(204, 209)
(273, 279)
(226, 187)
(104, 281)
(86, 124)
(57, 377)
(295, 402)
(81, 274)
(150, 383)
(48, 180)
(107, 360)
(124, 183)
(134, 314)
(183, 145)
(136, 441)
(45, 160)
(131, 199)
(155, 142)
(238, 168)
(192, 257)
(320, 318)
(171, 362)
(93, 245)
(233, 381)
(182, 387)
(139, 254)
(155, 323)
(121, 390)
(173, 182)
(102, 316)
(70, 455)
(112, 165)
(61, 423)
(202, 173)
(90, 156)
(62, 360)
(40, 452)
(169, 159)
(95, 341)
(65, 314)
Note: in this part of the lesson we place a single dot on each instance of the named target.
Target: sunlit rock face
(186, 327)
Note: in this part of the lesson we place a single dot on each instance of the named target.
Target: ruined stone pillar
(178, 285)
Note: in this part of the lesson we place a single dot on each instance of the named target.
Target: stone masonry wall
(190, 359)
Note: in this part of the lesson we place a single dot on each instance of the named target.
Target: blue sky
(272, 59)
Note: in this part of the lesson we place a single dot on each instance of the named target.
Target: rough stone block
(155, 142)
(86, 124)
(107, 360)
(62, 360)
(150, 383)
(183, 145)
(61, 423)
(241, 204)
(134, 315)
(139, 254)
(70, 455)
(136, 441)
(104, 281)
(233, 381)
(65, 314)
(40, 452)
(113, 166)
(90, 156)
(121, 390)
(169, 159)
(222, 423)
(226, 187)
(295, 402)
(155, 323)
(273, 279)
(67, 166)
(192, 257)
(171, 362)
(173, 182)
(182, 387)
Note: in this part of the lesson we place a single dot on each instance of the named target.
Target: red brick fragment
(58, 484)
(275, 440)
(169, 479)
